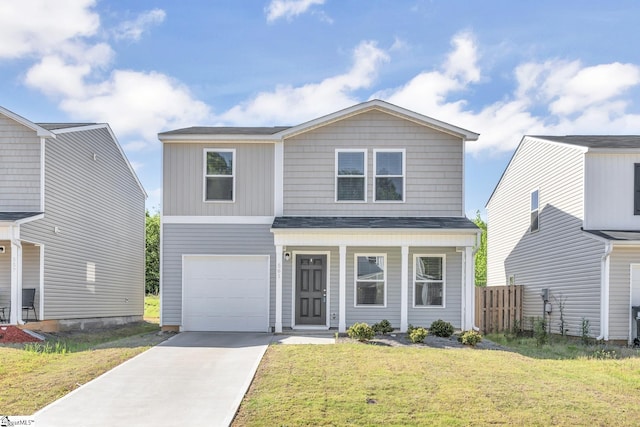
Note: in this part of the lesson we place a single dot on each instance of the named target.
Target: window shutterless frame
(343, 175)
(373, 273)
(386, 177)
(534, 211)
(423, 282)
(229, 174)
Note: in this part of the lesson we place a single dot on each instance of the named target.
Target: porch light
(287, 256)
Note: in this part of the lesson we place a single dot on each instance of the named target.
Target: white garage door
(225, 293)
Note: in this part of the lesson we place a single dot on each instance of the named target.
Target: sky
(503, 69)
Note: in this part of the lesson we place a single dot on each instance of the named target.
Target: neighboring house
(565, 217)
(357, 216)
(72, 224)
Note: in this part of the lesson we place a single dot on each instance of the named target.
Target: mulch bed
(402, 340)
(12, 334)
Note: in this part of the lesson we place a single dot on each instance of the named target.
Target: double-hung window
(429, 279)
(219, 175)
(351, 175)
(371, 276)
(389, 179)
(535, 204)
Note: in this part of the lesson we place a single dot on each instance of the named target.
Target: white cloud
(133, 30)
(290, 8)
(294, 105)
(29, 27)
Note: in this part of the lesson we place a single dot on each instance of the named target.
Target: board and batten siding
(98, 208)
(620, 290)
(609, 195)
(434, 168)
(183, 182)
(451, 312)
(558, 256)
(209, 239)
(19, 167)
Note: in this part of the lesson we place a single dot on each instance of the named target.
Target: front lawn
(32, 376)
(358, 384)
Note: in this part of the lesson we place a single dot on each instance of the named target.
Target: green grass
(357, 384)
(152, 308)
(33, 376)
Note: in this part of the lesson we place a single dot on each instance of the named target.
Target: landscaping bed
(431, 341)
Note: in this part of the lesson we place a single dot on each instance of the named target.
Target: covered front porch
(21, 271)
(334, 271)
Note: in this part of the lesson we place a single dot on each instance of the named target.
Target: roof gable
(39, 130)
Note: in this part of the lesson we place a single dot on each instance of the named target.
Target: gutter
(604, 292)
(473, 308)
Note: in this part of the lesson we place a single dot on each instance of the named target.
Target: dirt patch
(402, 340)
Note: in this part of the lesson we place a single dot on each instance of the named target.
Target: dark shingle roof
(222, 130)
(596, 141)
(55, 126)
(619, 236)
(373, 222)
(16, 216)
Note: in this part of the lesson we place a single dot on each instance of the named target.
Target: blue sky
(499, 68)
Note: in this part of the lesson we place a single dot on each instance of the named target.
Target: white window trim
(536, 210)
(444, 281)
(350, 150)
(205, 176)
(355, 280)
(404, 173)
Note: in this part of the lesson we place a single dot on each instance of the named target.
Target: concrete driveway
(194, 378)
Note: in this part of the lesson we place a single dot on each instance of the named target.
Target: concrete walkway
(194, 379)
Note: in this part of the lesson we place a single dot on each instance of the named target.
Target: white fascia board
(386, 107)
(372, 237)
(181, 219)
(220, 138)
(40, 131)
(115, 141)
(29, 219)
(612, 242)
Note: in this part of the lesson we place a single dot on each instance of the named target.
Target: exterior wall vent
(2, 250)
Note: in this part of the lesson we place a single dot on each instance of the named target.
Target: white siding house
(563, 217)
(355, 216)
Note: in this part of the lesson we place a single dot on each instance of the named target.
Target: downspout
(604, 292)
(473, 307)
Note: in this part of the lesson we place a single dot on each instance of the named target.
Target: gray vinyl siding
(434, 168)
(620, 290)
(19, 167)
(209, 239)
(452, 311)
(333, 278)
(375, 314)
(98, 208)
(183, 173)
(558, 256)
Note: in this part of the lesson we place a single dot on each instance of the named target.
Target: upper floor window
(636, 189)
(534, 211)
(219, 175)
(351, 173)
(389, 179)
(429, 281)
(370, 280)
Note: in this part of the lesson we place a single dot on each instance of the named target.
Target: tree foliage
(481, 253)
(152, 257)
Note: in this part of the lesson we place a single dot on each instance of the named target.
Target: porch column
(278, 325)
(469, 289)
(342, 294)
(404, 289)
(15, 315)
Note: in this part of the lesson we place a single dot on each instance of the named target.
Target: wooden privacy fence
(498, 308)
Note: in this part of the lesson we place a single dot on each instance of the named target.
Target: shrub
(384, 327)
(361, 332)
(440, 328)
(585, 329)
(540, 331)
(410, 328)
(418, 335)
(470, 338)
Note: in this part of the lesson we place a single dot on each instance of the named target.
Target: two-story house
(72, 226)
(356, 216)
(564, 222)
